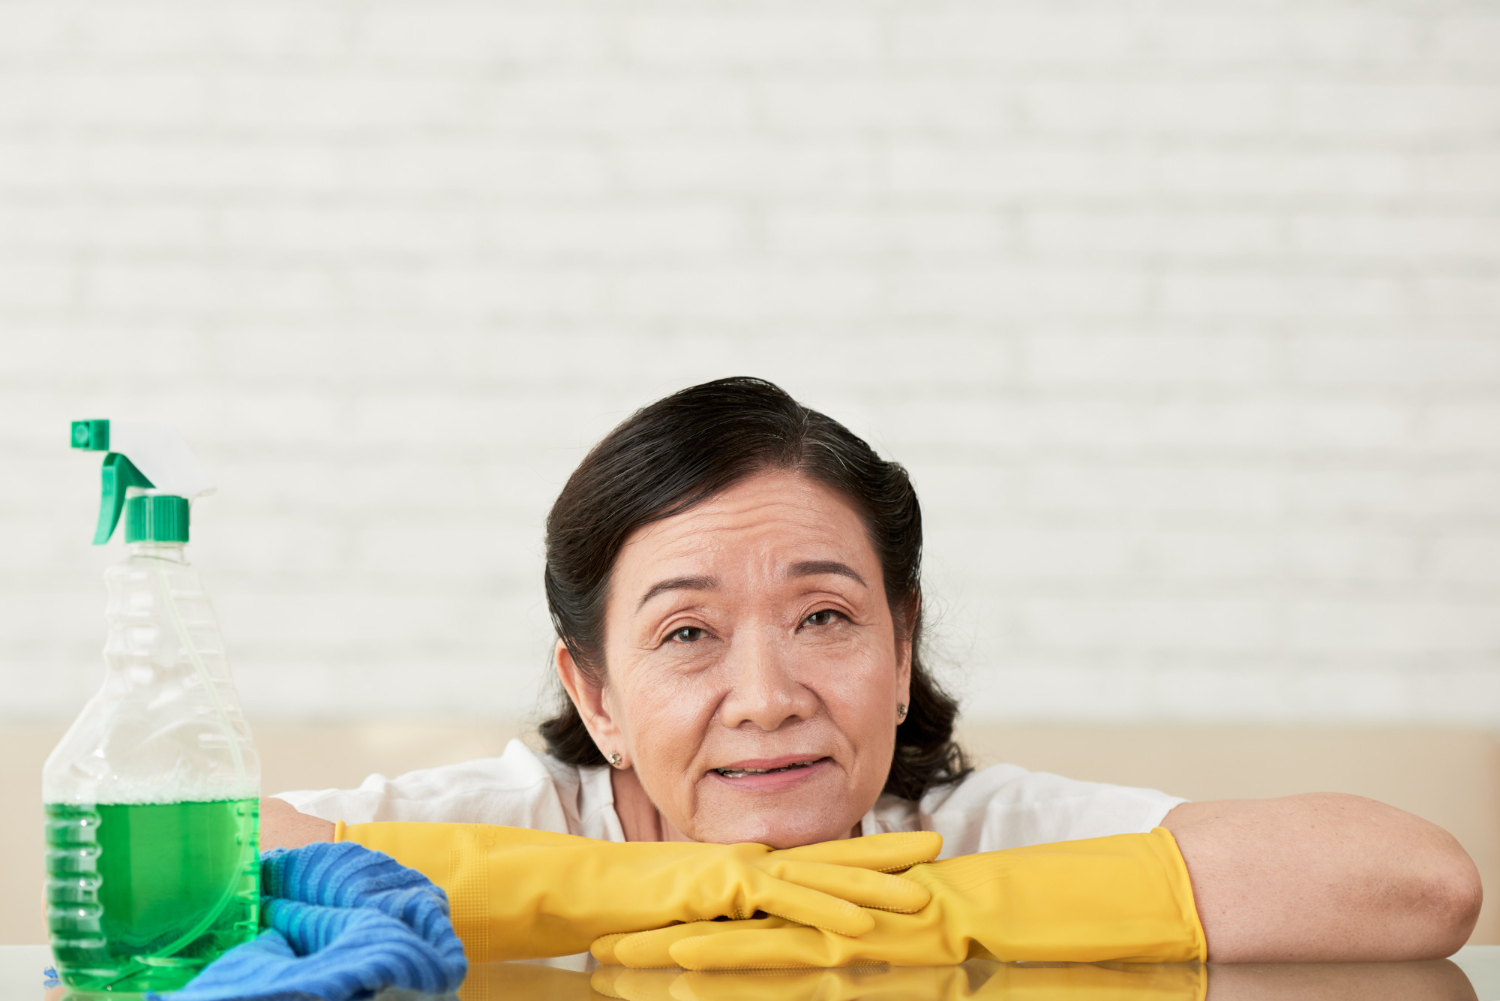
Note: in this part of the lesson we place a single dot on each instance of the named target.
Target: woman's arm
(281, 826)
(1324, 876)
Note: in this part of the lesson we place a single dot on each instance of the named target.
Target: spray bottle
(152, 797)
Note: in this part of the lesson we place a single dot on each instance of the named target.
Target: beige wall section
(1451, 777)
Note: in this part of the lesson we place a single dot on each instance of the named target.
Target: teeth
(739, 773)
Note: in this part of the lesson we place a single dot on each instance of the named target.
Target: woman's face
(754, 667)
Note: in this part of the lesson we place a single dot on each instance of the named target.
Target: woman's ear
(903, 675)
(904, 649)
(588, 697)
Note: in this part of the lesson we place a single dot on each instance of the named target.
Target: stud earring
(900, 711)
(614, 759)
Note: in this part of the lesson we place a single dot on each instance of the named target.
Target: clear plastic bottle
(152, 797)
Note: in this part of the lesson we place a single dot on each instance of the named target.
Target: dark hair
(689, 446)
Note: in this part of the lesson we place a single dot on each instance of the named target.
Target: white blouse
(1003, 806)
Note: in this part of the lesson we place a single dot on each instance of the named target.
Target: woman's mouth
(770, 774)
(739, 773)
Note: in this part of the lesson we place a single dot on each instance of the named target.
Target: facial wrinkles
(743, 545)
(746, 541)
(768, 681)
(810, 691)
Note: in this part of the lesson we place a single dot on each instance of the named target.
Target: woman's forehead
(771, 520)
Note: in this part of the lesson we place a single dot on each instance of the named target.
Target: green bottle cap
(158, 518)
(92, 436)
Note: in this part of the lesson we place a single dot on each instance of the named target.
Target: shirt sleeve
(1006, 806)
(515, 790)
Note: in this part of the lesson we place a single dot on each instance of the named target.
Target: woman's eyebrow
(811, 568)
(678, 584)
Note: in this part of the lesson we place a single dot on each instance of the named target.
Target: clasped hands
(520, 893)
(525, 894)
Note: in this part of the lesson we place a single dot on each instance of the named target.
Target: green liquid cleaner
(143, 896)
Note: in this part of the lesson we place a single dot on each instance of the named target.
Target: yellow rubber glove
(1125, 897)
(977, 980)
(520, 894)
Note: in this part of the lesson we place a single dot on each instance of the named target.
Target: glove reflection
(976, 979)
(985, 980)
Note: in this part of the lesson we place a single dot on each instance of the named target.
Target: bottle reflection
(984, 981)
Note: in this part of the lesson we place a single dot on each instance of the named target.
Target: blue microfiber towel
(351, 875)
(344, 922)
(326, 952)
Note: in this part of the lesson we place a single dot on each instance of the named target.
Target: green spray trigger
(119, 475)
(147, 457)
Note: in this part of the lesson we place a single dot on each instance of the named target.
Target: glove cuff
(1177, 870)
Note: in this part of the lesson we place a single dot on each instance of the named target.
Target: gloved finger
(651, 949)
(603, 948)
(881, 852)
(781, 948)
(858, 886)
(806, 906)
(634, 985)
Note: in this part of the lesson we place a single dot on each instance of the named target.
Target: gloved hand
(976, 980)
(343, 922)
(520, 894)
(1125, 897)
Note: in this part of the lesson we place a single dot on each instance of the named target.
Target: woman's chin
(799, 814)
(775, 831)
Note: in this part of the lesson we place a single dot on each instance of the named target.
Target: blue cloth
(344, 922)
(351, 875)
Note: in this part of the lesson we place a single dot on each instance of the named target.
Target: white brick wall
(1183, 314)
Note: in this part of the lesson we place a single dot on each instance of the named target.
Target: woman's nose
(763, 689)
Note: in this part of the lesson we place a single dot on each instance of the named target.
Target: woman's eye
(687, 634)
(823, 618)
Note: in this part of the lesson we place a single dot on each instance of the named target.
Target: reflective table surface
(1472, 975)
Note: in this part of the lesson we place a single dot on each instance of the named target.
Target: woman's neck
(639, 818)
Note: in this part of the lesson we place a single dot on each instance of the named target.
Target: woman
(735, 584)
